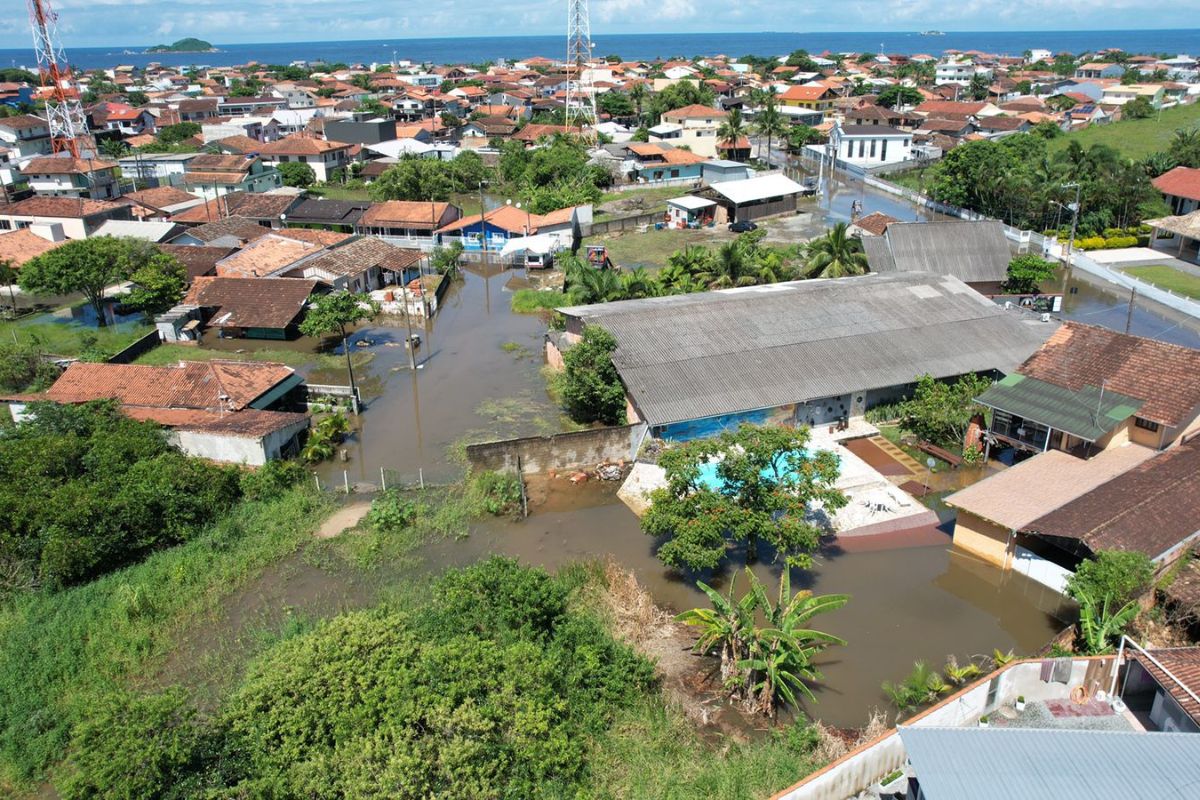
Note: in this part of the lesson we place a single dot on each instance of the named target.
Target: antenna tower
(64, 111)
(581, 92)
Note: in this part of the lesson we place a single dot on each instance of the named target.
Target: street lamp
(1074, 208)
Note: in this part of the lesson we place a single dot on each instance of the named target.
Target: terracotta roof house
(406, 219)
(62, 175)
(227, 232)
(1164, 684)
(254, 308)
(872, 224)
(533, 132)
(359, 264)
(17, 247)
(265, 256)
(314, 236)
(1181, 188)
(507, 222)
(197, 260)
(213, 409)
(79, 218)
(160, 202)
(1163, 379)
(322, 156)
(211, 175)
(1153, 509)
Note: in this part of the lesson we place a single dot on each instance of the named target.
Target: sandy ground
(343, 519)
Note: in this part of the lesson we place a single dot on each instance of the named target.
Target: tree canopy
(296, 174)
(940, 411)
(589, 385)
(762, 480)
(1026, 273)
(87, 266)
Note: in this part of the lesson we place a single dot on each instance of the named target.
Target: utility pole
(1070, 256)
(1129, 312)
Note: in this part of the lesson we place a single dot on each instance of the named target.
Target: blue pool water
(708, 474)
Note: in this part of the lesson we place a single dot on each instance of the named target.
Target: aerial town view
(602, 403)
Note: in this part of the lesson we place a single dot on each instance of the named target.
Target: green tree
(835, 255)
(137, 98)
(763, 665)
(1137, 108)
(1115, 575)
(158, 282)
(589, 385)
(731, 129)
(637, 94)
(9, 279)
(616, 104)
(114, 148)
(898, 95)
(770, 123)
(1184, 148)
(174, 134)
(87, 266)
(1027, 273)
(977, 89)
(297, 174)
(335, 313)
(374, 108)
(798, 136)
(940, 411)
(764, 480)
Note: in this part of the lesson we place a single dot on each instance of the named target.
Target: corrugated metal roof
(1003, 763)
(975, 252)
(752, 189)
(1089, 413)
(711, 353)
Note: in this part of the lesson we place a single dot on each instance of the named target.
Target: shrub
(271, 479)
(589, 385)
(390, 512)
(1116, 576)
(497, 493)
(1117, 242)
(1090, 243)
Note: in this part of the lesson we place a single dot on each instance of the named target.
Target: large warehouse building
(808, 352)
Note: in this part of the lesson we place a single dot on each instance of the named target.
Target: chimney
(50, 231)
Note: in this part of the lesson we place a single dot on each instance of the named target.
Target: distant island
(188, 45)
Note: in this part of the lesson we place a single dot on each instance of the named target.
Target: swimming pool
(710, 480)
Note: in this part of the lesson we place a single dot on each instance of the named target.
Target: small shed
(690, 211)
(722, 169)
(755, 198)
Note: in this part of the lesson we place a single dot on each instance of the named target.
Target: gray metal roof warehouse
(694, 356)
(975, 252)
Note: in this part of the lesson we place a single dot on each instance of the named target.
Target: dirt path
(343, 519)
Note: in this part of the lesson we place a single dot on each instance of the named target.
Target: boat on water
(932, 33)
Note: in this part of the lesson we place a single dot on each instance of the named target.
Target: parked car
(743, 226)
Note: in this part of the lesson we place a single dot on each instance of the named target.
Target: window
(872, 148)
(883, 150)
(862, 147)
(1145, 424)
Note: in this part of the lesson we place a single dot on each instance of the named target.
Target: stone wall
(560, 451)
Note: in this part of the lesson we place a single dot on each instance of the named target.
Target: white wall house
(961, 72)
(871, 145)
(25, 136)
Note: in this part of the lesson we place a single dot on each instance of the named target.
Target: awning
(1188, 225)
(1089, 414)
(541, 244)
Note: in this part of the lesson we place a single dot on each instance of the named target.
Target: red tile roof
(1151, 509)
(1184, 664)
(21, 245)
(1165, 376)
(60, 207)
(404, 214)
(943, 107)
(300, 146)
(197, 260)
(189, 384)
(875, 223)
(59, 165)
(695, 111)
(251, 302)
(804, 93)
(1180, 182)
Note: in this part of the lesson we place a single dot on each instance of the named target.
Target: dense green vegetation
(1107, 588)
(84, 489)
(765, 480)
(589, 386)
(186, 45)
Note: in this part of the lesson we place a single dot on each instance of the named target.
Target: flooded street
(907, 604)
(478, 375)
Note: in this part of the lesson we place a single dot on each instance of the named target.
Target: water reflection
(910, 603)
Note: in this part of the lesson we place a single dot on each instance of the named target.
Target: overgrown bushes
(84, 489)
(492, 688)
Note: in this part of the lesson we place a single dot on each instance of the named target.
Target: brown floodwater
(907, 603)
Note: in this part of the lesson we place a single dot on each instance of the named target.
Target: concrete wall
(227, 449)
(859, 769)
(981, 538)
(561, 451)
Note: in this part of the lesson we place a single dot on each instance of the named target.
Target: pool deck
(876, 507)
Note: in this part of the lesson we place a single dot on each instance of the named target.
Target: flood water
(912, 603)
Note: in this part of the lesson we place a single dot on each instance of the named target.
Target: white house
(65, 176)
(25, 136)
(958, 71)
(324, 157)
(870, 145)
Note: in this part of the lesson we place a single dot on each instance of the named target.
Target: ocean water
(632, 46)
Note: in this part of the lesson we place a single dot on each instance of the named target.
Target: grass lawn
(651, 199)
(1165, 277)
(651, 249)
(1135, 138)
(65, 339)
(173, 353)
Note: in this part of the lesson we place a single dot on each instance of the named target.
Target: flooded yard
(908, 603)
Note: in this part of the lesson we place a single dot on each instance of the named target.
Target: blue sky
(88, 23)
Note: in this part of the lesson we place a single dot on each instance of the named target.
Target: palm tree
(639, 283)
(731, 129)
(835, 255)
(722, 627)
(637, 93)
(589, 285)
(8, 277)
(1100, 623)
(730, 268)
(770, 123)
